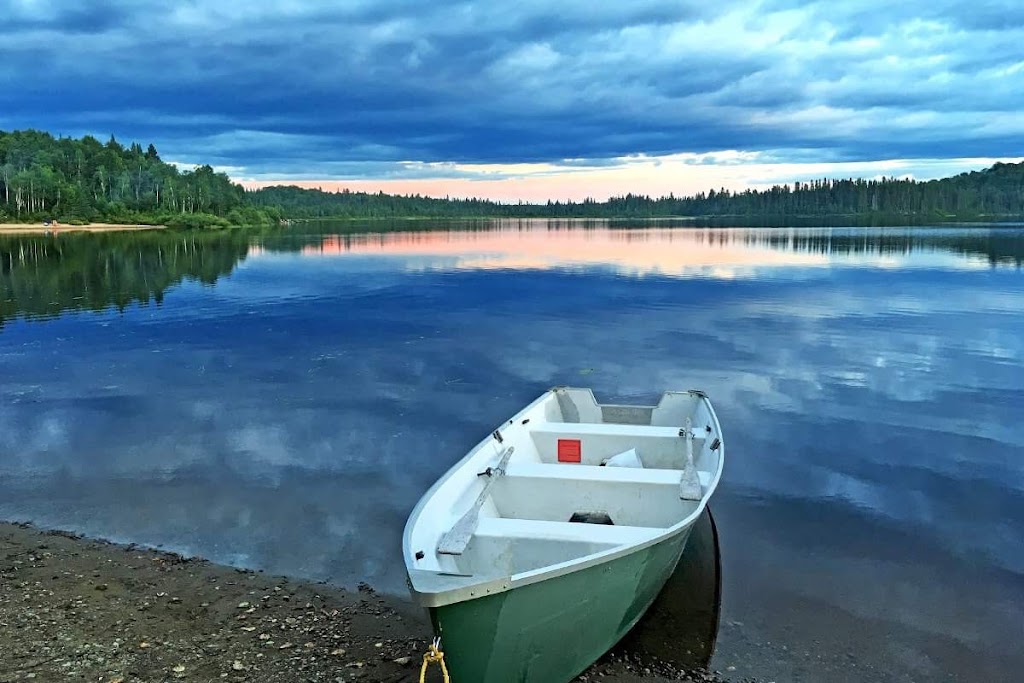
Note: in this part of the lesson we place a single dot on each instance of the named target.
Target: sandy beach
(78, 609)
(57, 229)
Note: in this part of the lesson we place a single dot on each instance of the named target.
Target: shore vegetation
(82, 181)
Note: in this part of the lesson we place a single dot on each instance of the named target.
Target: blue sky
(529, 98)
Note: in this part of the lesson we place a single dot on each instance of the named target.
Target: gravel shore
(74, 609)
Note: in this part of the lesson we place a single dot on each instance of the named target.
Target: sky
(528, 100)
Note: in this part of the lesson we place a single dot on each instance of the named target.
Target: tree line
(81, 180)
(84, 180)
(997, 192)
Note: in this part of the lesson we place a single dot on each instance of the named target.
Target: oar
(454, 541)
(689, 483)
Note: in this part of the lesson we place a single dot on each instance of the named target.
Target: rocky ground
(73, 609)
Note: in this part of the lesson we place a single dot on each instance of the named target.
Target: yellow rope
(434, 654)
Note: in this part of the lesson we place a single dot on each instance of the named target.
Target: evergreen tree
(80, 180)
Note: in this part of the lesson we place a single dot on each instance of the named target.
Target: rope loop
(434, 655)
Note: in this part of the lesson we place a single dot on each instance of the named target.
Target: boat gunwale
(506, 583)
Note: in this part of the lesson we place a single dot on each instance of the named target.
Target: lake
(280, 399)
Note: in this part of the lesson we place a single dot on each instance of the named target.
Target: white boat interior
(565, 480)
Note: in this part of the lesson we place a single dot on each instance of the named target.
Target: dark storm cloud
(287, 88)
(92, 17)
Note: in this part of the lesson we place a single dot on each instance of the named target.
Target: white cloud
(477, 83)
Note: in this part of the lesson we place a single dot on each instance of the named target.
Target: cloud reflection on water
(288, 416)
(673, 252)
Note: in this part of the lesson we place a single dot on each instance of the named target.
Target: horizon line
(602, 184)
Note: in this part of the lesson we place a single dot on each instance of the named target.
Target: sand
(57, 229)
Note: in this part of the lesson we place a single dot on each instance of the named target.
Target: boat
(547, 542)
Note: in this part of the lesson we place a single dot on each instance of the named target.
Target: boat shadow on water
(681, 626)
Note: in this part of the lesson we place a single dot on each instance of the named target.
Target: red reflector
(569, 450)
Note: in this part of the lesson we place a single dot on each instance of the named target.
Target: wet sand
(79, 609)
(56, 229)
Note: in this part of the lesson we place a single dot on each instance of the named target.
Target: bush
(251, 216)
(196, 220)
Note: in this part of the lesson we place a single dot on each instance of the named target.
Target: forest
(80, 181)
(43, 177)
(995, 193)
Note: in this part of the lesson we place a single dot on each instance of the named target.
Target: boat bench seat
(657, 447)
(623, 475)
(565, 429)
(606, 534)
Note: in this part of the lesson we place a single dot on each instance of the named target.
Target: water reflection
(259, 400)
(627, 252)
(44, 276)
(721, 253)
(681, 627)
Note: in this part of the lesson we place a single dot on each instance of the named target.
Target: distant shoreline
(723, 221)
(88, 227)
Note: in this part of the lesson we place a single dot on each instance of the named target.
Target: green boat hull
(550, 631)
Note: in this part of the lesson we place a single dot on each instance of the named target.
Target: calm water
(281, 400)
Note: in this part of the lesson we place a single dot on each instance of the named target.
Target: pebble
(105, 638)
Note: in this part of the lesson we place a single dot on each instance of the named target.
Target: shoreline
(17, 228)
(73, 607)
(691, 221)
